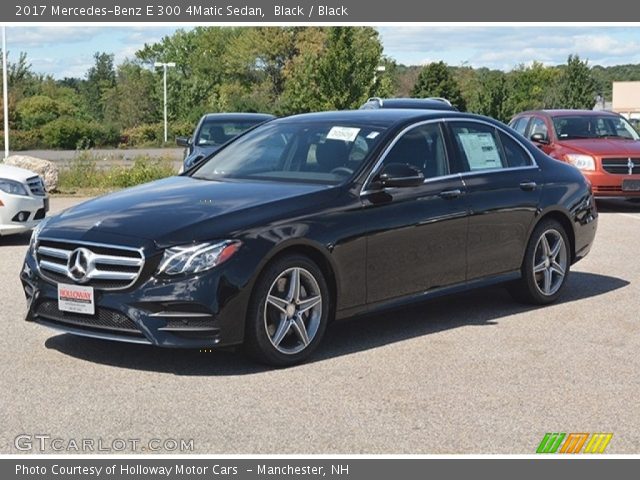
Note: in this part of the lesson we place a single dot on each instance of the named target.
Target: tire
(285, 325)
(545, 268)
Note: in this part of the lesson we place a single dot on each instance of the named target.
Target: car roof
(414, 103)
(237, 116)
(568, 112)
(384, 117)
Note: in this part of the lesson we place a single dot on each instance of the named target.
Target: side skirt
(427, 295)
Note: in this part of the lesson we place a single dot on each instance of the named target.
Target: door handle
(528, 186)
(455, 193)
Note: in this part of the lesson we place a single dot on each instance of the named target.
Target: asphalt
(474, 373)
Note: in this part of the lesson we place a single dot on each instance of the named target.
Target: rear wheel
(545, 267)
(288, 312)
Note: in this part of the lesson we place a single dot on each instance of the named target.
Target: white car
(23, 200)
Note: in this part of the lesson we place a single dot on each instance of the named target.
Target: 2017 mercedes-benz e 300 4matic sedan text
(310, 218)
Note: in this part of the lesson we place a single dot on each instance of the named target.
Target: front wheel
(288, 312)
(545, 267)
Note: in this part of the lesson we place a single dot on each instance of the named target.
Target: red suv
(603, 145)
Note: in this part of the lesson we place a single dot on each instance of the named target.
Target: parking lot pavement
(474, 373)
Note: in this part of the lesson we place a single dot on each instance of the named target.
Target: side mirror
(183, 141)
(191, 162)
(400, 175)
(540, 138)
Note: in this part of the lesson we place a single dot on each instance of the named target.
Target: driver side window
(422, 148)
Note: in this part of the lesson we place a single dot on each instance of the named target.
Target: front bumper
(606, 184)
(35, 207)
(202, 311)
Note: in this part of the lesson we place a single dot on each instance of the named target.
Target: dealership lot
(473, 373)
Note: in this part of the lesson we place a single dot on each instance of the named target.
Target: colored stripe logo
(574, 442)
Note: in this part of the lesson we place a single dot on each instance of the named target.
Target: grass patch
(84, 174)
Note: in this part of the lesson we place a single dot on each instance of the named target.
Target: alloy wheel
(293, 310)
(550, 262)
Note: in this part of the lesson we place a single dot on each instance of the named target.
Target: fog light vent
(20, 217)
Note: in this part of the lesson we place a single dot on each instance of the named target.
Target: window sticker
(481, 150)
(347, 134)
(373, 135)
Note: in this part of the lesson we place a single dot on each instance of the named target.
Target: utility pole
(165, 65)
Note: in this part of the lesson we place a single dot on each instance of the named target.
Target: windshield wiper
(614, 136)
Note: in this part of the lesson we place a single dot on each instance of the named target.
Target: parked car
(603, 145)
(343, 213)
(431, 103)
(213, 131)
(23, 200)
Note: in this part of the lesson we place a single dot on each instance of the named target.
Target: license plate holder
(76, 299)
(631, 185)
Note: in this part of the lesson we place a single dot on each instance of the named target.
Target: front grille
(104, 319)
(36, 186)
(621, 166)
(103, 267)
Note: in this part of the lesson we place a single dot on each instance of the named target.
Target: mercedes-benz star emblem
(630, 166)
(78, 264)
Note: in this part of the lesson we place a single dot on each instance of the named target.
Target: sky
(67, 51)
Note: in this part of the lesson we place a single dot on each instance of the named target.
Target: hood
(181, 210)
(604, 147)
(15, 173)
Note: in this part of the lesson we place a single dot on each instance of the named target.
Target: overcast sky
(68, 51)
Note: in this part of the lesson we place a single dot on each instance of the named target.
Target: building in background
(626, 99)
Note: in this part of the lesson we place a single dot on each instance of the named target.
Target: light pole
(165, 65)
(379, 69)
(5, 96)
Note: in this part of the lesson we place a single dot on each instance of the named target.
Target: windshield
(295, 152)
(218, 132)
(593, 126)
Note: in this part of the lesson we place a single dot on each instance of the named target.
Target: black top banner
(304, 11)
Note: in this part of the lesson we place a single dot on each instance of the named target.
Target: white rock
(46, 169)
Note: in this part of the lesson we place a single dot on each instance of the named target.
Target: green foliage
(152, 134)
(84, 173)
(336, 70)
(435, 80)
(132, 100)
(100, 79)
(35, 111)
(280, 70)
(144, 135)
(490, 98)
(71, 133)
(579, 88)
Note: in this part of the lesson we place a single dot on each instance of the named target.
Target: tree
(579, 88)
(35, 111)
(532, 87)
(132, 101)
(435, 80)
(100, 78)
(340, 74)
(491, 95)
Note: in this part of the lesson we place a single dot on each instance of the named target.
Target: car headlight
(13, 187)
(583, 162)
(196, 258)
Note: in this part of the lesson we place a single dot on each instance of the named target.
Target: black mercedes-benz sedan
(307, 219)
